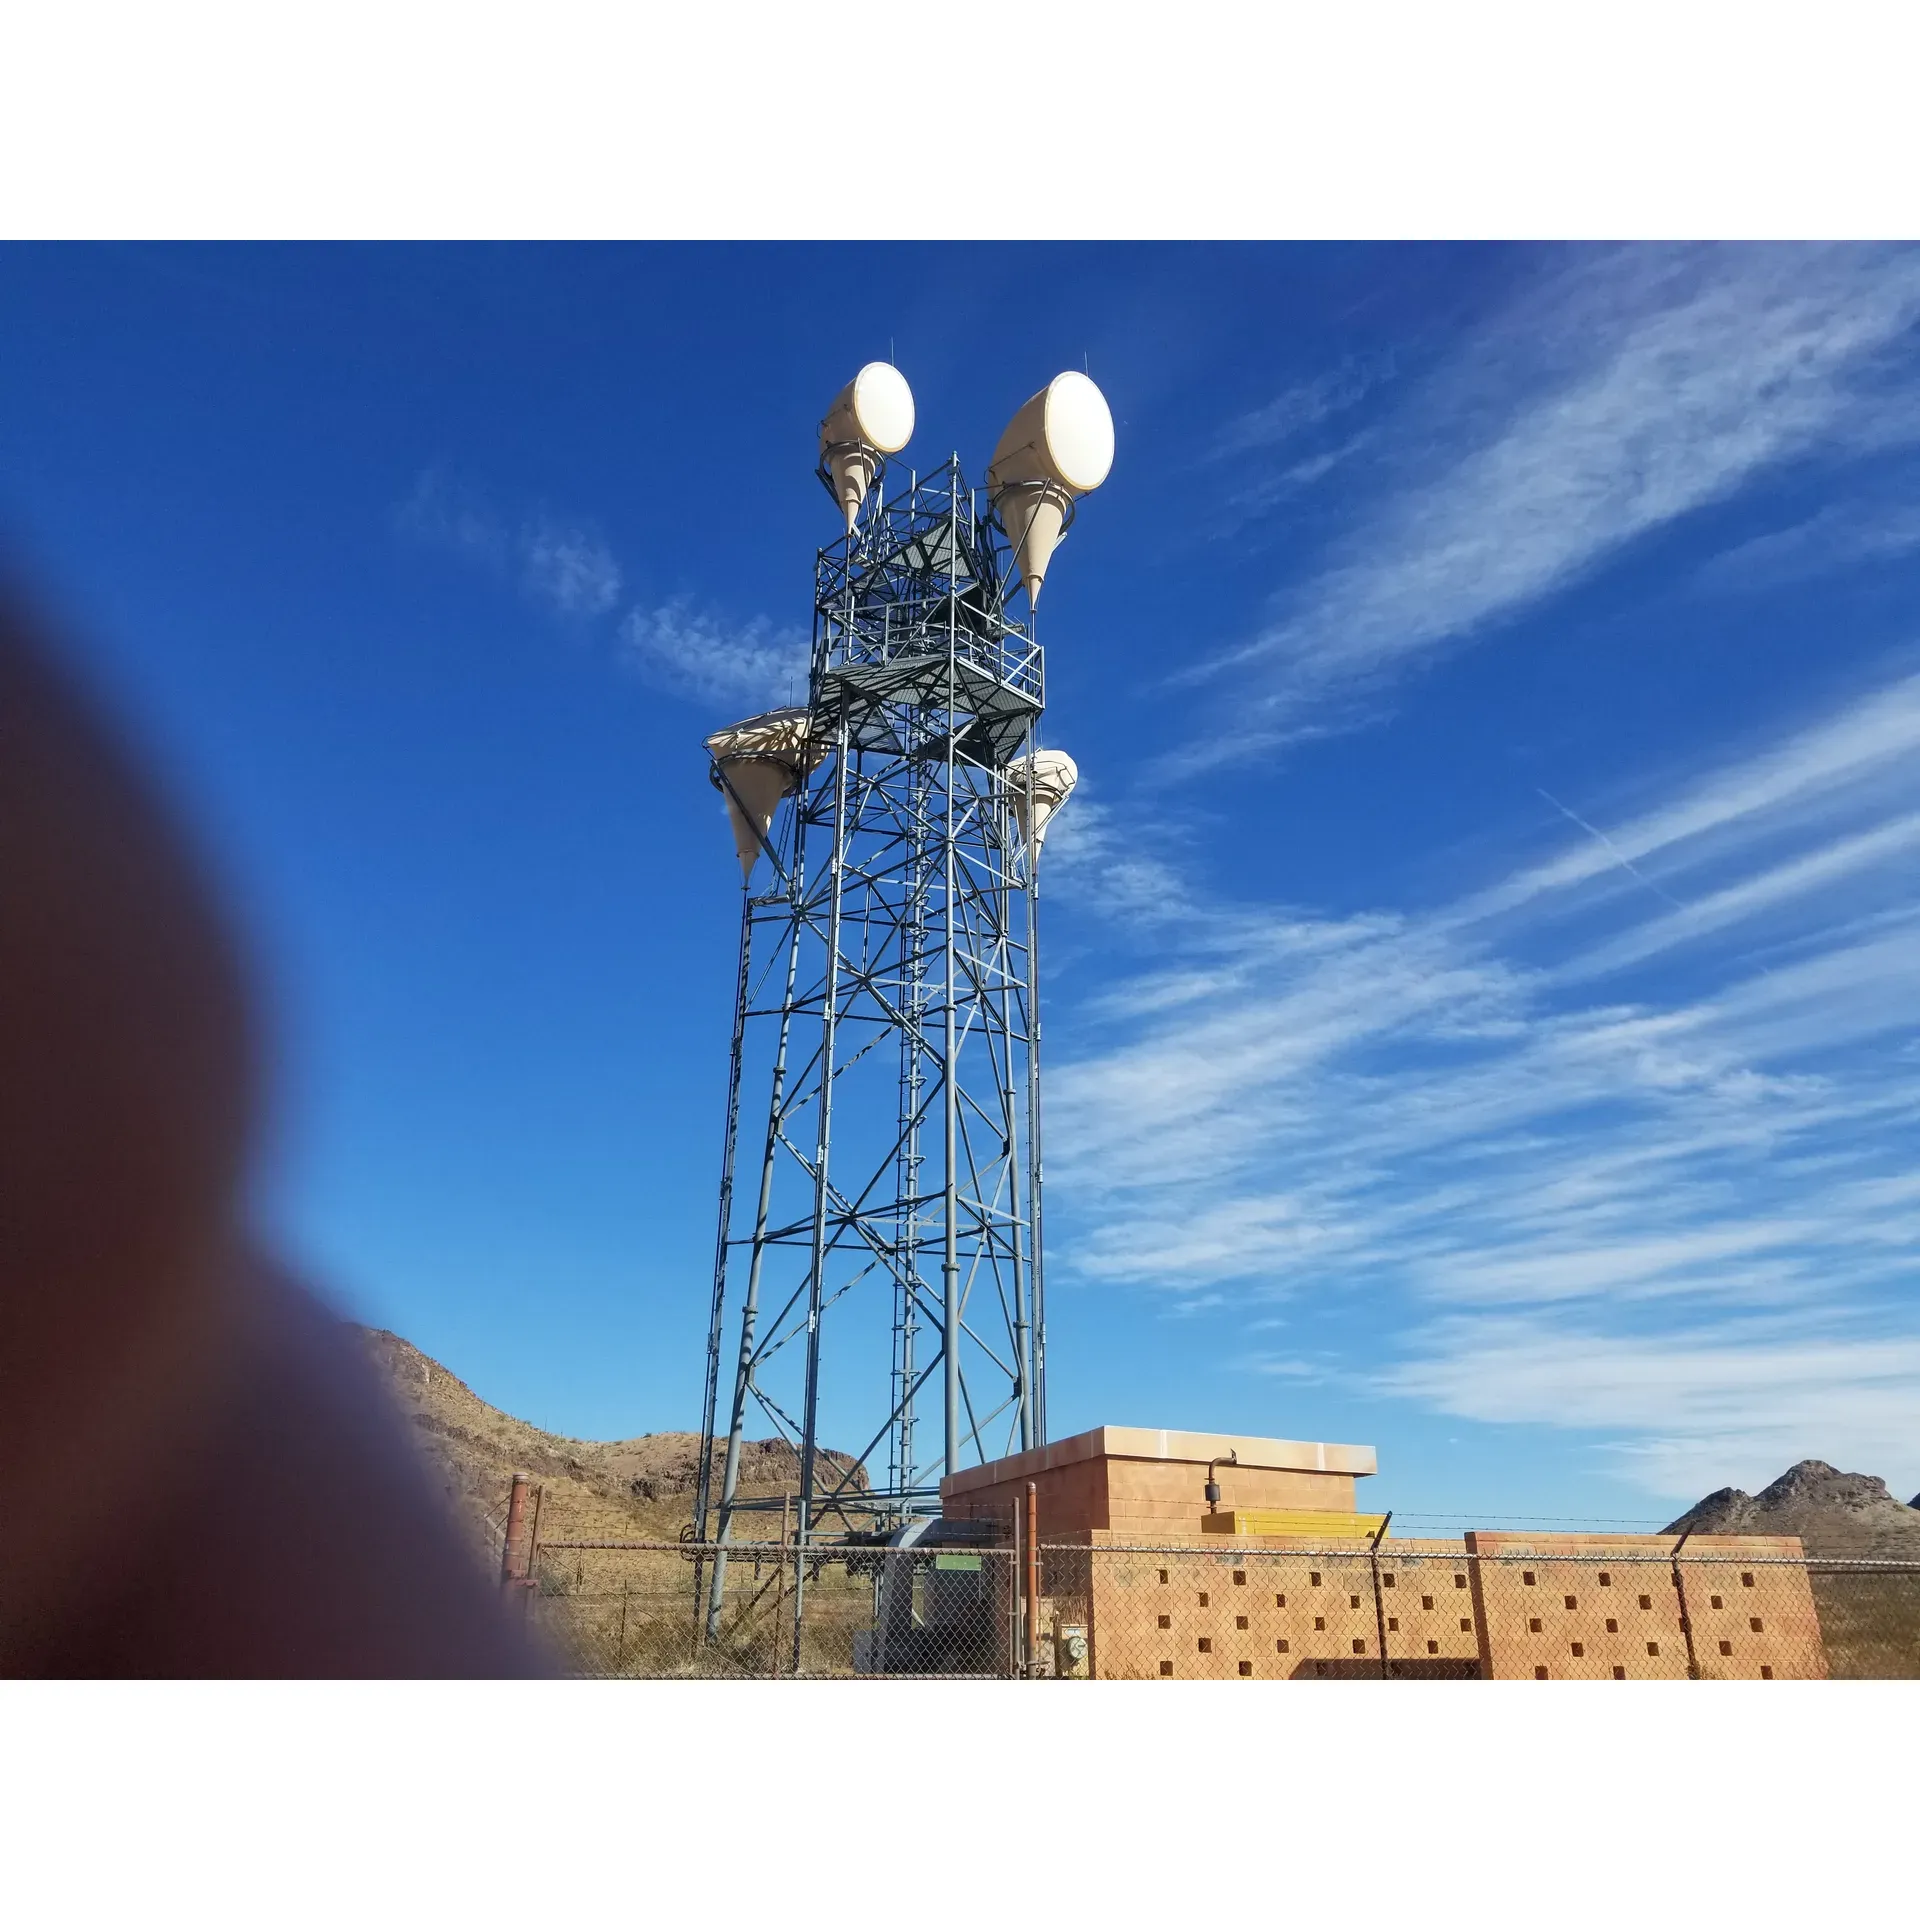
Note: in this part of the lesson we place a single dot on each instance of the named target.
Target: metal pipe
(1033, 1579)
(1035, 1263)
(816, 1276)
(1010, 1123)
(1230, 1459)
(533, 1533)
(1016, 1665)
(913, 1081)
(950, 1091)
(516, 1534)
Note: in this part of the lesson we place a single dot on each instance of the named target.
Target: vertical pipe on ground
(1033, 1579)
(512, 1560)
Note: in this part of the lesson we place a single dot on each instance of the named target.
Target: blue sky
(1482, 948)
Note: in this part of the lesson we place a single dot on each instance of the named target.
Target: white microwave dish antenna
(1056, 448)
(871, 417)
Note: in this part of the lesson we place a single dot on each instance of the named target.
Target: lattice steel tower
(879, 1236)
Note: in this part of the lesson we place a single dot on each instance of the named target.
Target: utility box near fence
(941, 1605)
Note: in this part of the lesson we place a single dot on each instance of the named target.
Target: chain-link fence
(1518, 1612)
(1413, 1611)
(758, 1609)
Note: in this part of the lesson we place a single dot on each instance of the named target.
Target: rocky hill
(592, 1489)
(1832, 1512)
(1869, 1618)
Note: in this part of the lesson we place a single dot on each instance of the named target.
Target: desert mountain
(1832, 1512)
(592, 1489)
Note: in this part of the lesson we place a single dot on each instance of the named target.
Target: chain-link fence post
(1379, 1604)
(1680, 1594)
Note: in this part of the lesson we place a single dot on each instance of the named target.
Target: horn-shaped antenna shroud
(1041, 784)
(871, 417)
(1056, 448)
(756, 764)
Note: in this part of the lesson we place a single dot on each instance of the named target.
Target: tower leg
(750, 1305)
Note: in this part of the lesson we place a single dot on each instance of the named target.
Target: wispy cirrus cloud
(1846, 534)
(1640, 386)
(1461, 1115)
(697, 653)
(566, 566)
(442, 511)
(678, 646)
(1280, 449)
(1852, 762)
(1699, 1412)
(1299, 408)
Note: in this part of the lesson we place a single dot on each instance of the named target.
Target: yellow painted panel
(1298, 1522)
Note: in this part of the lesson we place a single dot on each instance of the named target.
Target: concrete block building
(1278, 1576)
